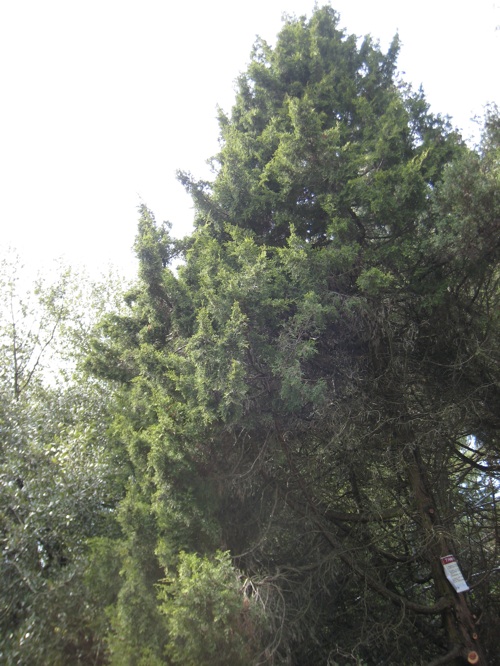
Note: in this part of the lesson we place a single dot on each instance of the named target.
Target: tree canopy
(60, 477)
(306, 389)
(315, 388)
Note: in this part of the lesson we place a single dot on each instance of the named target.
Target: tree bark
(458, 621)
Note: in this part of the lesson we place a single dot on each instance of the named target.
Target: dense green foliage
(307, 407)
(316, 389)
(59, 480)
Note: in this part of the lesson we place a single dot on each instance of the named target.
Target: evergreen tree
(316, 389)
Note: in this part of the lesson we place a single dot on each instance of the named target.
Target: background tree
(60, 478)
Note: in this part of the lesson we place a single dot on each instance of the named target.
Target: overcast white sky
(102, 100)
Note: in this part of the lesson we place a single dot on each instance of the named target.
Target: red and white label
(453, 573)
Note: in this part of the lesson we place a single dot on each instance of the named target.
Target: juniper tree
(315, 389)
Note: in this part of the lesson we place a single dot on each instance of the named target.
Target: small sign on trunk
(453, 573)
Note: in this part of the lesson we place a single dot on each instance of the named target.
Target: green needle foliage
(208, 622)
(315, 391)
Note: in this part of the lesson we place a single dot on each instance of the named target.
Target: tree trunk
(458, 621)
